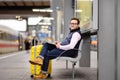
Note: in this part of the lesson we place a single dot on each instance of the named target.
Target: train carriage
(8, 39)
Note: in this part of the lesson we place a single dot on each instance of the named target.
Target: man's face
(73, 24)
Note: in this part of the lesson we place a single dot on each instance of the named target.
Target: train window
(8, 37)
(13, 38)
(4, 36)
(1, 35)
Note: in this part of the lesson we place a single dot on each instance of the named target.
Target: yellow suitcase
(35, 69)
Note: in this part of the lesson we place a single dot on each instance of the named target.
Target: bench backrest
(76, 58)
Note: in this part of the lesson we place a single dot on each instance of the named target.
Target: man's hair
(78, 22)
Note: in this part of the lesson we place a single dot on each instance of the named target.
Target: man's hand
(57, 44)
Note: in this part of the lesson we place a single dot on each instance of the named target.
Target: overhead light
(78, 10)
(49, 10)
(19, 18)
(35, 10)
(44, 23)
(50, 18)
(42, 10)
(84, 0)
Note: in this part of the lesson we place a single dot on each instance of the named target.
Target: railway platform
(15, 66)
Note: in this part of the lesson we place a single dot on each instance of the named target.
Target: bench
(73, 60)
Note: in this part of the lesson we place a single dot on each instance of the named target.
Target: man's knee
(46, 44)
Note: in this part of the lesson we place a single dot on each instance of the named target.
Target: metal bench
(73, 60)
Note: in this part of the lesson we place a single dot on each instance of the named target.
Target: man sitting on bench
(51, 51)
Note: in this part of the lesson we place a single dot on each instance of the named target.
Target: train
(10, 40)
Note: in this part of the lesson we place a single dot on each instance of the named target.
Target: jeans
(48, 52)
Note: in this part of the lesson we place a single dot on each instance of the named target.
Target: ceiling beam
(19, 8)
(23, 0)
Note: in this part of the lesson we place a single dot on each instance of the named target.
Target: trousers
(48, 52)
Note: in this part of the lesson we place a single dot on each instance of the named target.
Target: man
(51, 51)
(34, 41)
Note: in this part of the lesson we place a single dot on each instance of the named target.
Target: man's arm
(75, 38)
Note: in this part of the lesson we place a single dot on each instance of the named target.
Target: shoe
(40, 76)
(37, 61)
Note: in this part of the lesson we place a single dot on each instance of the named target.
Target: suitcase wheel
(31, 76)
(49, 75)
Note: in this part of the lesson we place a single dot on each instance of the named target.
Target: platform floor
(15, 66)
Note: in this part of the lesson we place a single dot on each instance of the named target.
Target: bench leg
(66, 64)
(73, 70)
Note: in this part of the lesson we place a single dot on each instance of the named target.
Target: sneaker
(40, 76)
(37, 61)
